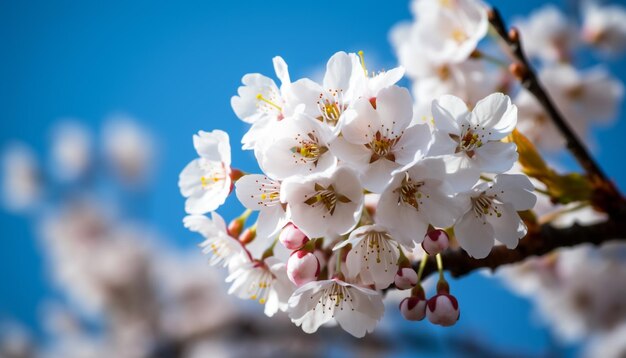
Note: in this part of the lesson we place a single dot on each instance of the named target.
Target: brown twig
(540, 242)
(606, 196)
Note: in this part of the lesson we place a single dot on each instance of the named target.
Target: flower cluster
(350, 184)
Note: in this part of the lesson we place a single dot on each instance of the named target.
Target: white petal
(508, 227)
(448, 111)
(496, 114)
(474, 235)
(338, 71)
(281, 69)
(496, 157)
(395, 107)
(515, 189)
(213, 146)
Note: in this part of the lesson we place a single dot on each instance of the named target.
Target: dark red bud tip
(373, 102)
(434, 235)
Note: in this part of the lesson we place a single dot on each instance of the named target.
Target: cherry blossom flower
(71, 150)
(21, 180)
(300, 147)
(292, 238)
(416, 197)
(259, 192)
(129, 148)
(326, 204)
(373, 257)
(471, 141)
(261, 103)
(491, 214)
(604, 26)
(356, 309)
(302, 267)
(265, 281)
(225, 249)
(452, 29)
(548, 34)
(413, 308)
(435, 242)
(377, 139)
(205, 181)
(405, 278)
(443, 310)
(582, 97)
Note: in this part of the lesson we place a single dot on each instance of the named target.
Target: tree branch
(606, 195)
(538, 242)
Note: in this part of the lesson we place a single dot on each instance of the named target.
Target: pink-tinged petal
(474, 235)
(270, 221)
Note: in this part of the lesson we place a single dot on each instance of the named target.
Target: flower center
(484, 205)
(269, 104)
(459, 35)
(335, 296)
(331, 106)
(216, 174)
(468, 141)
(409, 193)
(375, 242)
(261, 284)
(309, 148)
(270, 193)
(382, 147)
(327, 197)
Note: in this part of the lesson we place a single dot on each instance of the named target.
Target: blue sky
(174, 66)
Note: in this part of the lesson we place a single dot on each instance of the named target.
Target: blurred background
(98, 105)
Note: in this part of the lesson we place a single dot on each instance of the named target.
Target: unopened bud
(235, 227)
(302, 267)
(435, 242)
(292, 238)
(405, 278)
(443, 310)
(413, 308)
(248, 235)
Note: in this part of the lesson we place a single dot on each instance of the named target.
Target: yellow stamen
(459, 35)
(261, 98)
(363, 62)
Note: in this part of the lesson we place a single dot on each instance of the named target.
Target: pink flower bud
(302, 267)
(413, 308)
(435, 242)
(443, 309)
(292, 238)
(405, 278)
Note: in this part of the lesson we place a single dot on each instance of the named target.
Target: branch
(606, 195)
(540, 242)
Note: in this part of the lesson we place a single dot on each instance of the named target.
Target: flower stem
(420, 271)
(440, 267)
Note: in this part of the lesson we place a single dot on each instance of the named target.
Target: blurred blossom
(21, 179)
(129, 148)
(579, 291)
(71, 150)
(591, 96)
(608, 345)
(548, 34)
(604, 26)
(15, 341)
